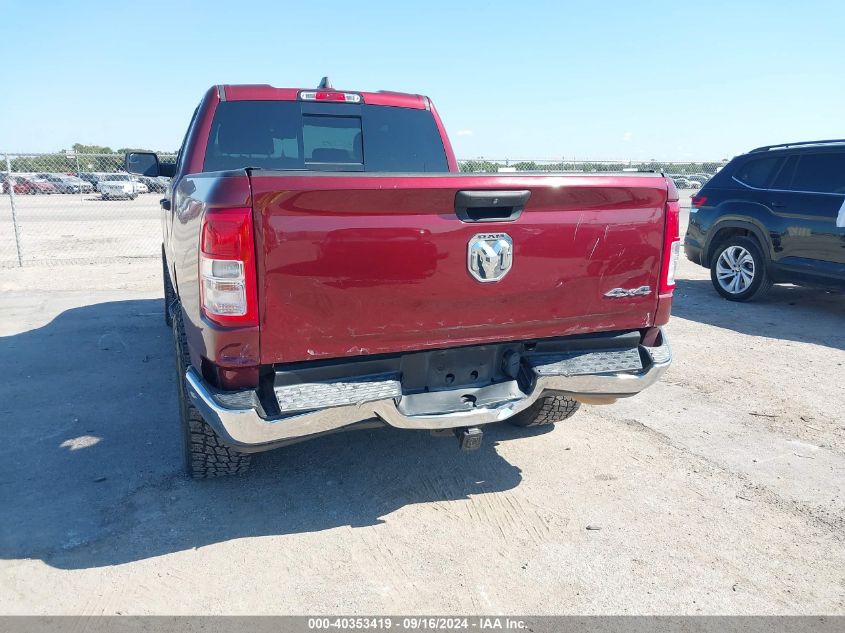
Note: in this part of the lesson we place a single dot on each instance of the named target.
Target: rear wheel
(547, 410)
(738, 270)
(205, 456)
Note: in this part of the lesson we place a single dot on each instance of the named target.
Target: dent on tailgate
(369, 264)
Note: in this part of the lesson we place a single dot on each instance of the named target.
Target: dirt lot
(720, 490)
(79, 228)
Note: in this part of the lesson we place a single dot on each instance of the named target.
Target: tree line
(82, 158)
(481, 165)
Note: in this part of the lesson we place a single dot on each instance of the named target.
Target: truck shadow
(790, 313)
(90, 471)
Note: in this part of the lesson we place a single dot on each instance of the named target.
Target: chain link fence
(76, 208)
(688, 174)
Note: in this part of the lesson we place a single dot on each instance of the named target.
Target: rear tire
(205, 455)
(738, 270)
(547, 410)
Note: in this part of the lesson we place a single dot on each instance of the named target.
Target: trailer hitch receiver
(469, 438)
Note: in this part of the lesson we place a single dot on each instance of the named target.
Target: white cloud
(464, 132)
(627, 136)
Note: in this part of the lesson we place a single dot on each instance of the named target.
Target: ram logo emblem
(490, 256)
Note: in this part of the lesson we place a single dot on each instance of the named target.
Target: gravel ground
(79, 228)
(719, 490)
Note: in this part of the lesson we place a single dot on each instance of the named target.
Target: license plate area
(447, 369)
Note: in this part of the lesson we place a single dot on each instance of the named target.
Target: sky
(511, 80)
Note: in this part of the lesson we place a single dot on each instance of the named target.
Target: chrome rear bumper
(243, 426)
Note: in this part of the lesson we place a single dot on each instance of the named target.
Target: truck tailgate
(375, 263)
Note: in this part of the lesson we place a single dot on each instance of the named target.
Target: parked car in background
(30, 185)
(20, 185)
(59, 183)
(95, 177)
(686, 182)
(83, 186)
(68, 184)
(44, 186)
(773, 215)
(113, 186)
(140, 187)
(701, 179)
(89, 177)
(154, 185)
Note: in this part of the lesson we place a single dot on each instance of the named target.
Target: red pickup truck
(328, 267)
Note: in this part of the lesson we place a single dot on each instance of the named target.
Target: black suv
(773, 215)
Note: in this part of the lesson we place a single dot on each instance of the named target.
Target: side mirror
(143, 164)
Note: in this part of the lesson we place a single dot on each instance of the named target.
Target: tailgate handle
(490, 206)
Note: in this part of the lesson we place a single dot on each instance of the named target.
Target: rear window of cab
(293, 135)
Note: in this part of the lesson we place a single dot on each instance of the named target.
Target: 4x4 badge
(490, 256)
(642, 291)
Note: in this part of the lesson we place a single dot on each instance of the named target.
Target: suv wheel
(205, 455)
(547, 410)
(738, 270)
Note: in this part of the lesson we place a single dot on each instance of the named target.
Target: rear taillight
(329, 95)
(698, 201)
(228, 292)
(671, 247)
